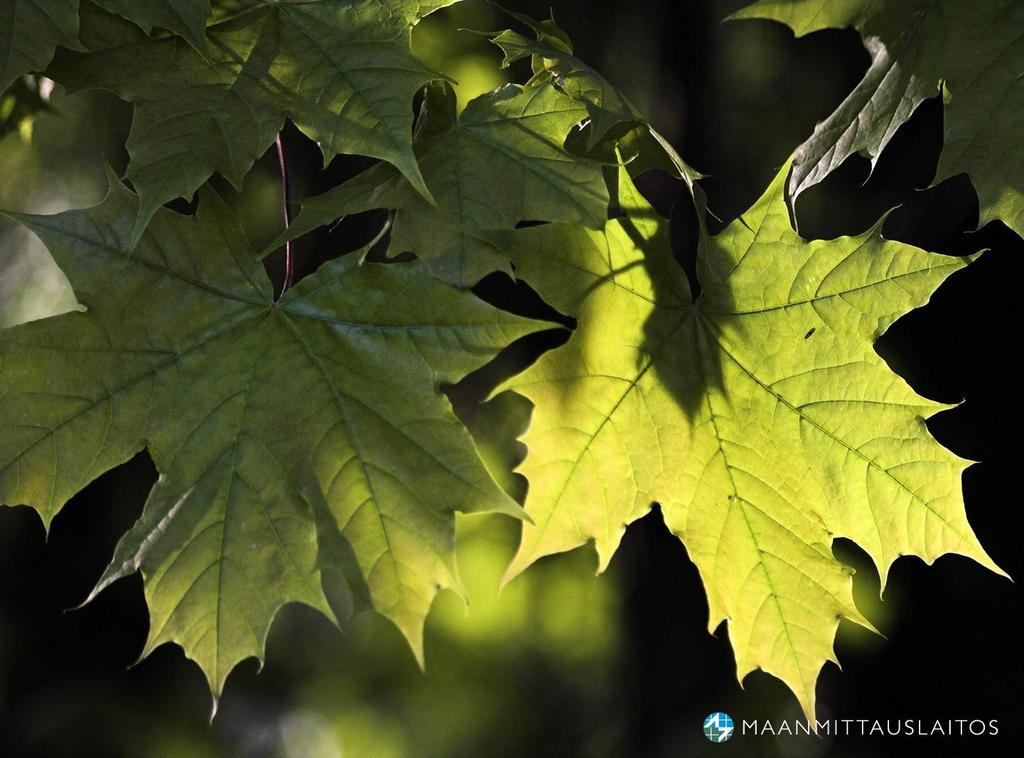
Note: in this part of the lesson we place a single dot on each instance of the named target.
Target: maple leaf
(551, 53)
(501, 162)
(184, 17)
(512, 136)
(291, 437)
(30, 31)
(975, 50)
(616, 128)
(759, 416)
(510, 163)
(342, 70)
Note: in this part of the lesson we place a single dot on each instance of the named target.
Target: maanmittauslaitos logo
(718, 727)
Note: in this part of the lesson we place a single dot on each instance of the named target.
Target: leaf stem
(286, 195)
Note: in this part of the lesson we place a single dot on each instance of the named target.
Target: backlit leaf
(972, 51)
(342, 70)
(759, 417)
(287, 433)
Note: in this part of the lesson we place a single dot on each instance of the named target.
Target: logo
(718, 727)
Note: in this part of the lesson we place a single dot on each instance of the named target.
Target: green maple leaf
(552, 54)
(503, 160)
(184, 17)
(292, 437)
(500, 163)
(512, 137)
(975, 50)
(616, 128)
(342, 70)
(30, 31)
(759, 417)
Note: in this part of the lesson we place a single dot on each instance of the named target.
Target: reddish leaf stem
(286, 194)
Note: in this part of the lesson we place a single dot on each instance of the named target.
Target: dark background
(735, 99)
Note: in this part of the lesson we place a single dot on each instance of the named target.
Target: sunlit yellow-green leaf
(759, 417)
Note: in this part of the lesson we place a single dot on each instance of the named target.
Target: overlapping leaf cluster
(305, 450)
(973, 53)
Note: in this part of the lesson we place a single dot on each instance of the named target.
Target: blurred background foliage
(562, 663)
